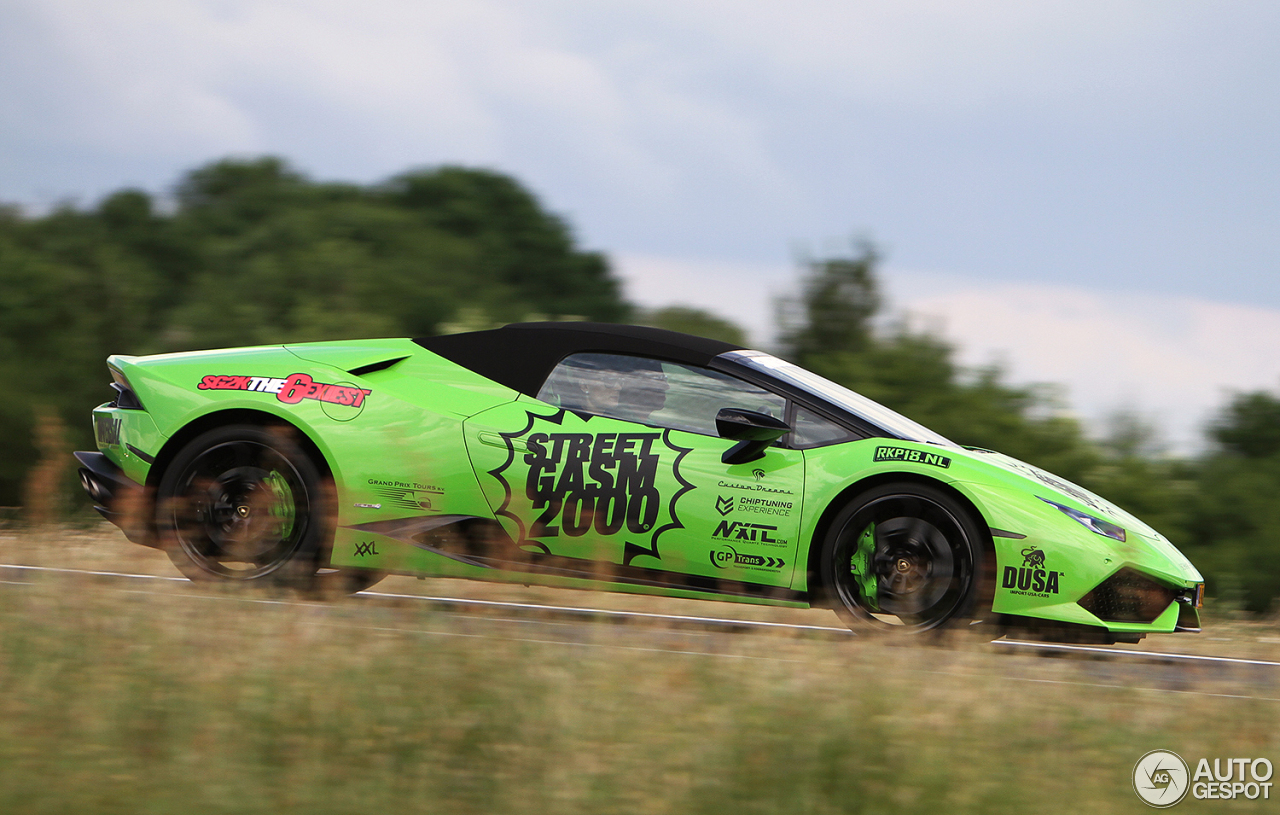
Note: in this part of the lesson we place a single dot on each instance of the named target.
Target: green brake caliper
(860, 566)
(282, 509)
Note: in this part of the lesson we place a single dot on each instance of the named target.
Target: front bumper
(1052, 569)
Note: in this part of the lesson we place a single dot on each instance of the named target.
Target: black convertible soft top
(521, 355)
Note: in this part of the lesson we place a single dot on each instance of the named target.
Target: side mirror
(752, 431)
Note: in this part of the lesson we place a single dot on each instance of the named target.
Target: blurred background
(1051, 229)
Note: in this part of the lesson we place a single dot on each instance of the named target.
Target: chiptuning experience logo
(1161, 778)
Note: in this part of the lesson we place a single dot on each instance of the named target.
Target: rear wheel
(245, 503)
(902, 557)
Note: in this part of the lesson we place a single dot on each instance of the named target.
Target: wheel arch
(221, 418)
(819, 597)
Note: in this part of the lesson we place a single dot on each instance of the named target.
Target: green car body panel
(409, 436)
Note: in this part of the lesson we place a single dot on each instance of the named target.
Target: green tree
(831, 328)
(255, 252)
(838, 298)
(1234, 524)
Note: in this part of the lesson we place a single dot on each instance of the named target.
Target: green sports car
(610, 457)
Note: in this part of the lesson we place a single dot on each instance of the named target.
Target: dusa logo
(727, 556)
(749, 533)
(1031, 579)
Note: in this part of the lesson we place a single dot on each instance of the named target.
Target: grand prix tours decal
(291, 390)
(614, 485)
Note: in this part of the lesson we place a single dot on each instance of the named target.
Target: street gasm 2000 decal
(617, 484)
(291, 390)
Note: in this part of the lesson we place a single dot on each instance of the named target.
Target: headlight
(1094, 524)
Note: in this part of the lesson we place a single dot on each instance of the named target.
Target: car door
(616, 470)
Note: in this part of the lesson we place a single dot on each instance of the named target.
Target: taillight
(125, 397)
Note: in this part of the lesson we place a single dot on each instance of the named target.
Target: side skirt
(483, 543)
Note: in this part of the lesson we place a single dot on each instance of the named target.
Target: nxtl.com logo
(1161, 778)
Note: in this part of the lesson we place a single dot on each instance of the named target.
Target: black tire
(244, 503)
(903, 558)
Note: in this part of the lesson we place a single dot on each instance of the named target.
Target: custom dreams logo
(1031, 578)
(291, 390)
(613, 483)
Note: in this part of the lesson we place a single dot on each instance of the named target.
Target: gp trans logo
(291, 390)
(1031, 579)
(727, 556)
(1161, 778)
(913, 456)
(741, 532)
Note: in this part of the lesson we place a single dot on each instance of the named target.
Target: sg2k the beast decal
(291, 390)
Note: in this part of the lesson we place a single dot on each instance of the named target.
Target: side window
(811, 430)
(654, 392)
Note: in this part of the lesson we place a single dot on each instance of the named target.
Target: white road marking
(1124, 652)
(91, 572)
(610, 612)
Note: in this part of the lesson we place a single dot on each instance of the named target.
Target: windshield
(825, 389)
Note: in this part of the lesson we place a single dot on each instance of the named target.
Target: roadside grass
(158, 699)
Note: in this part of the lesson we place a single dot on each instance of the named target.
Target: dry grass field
(159, 697)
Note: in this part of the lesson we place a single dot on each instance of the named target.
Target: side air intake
(1128, 596)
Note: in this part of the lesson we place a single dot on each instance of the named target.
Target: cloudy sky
(1087, 192)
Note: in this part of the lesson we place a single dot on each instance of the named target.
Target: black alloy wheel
(246, 503)
(903, 558)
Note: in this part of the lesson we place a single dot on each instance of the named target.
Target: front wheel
(245, 503)
(902, 557)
